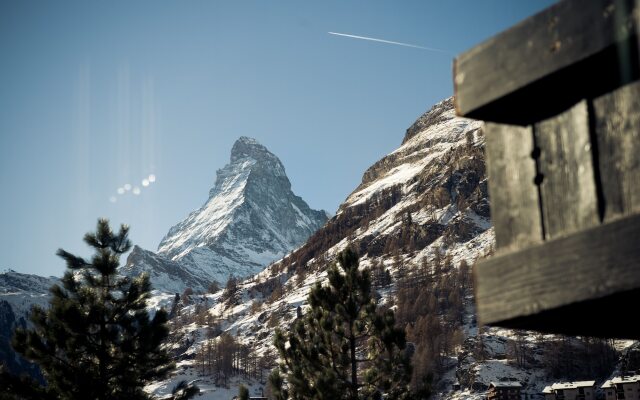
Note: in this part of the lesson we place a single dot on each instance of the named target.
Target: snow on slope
(18, 293)
(208, 222)
(415, 154)
(22, 291)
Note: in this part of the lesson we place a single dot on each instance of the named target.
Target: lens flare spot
(145, 182)
(120, 190)
(136, 190)
(127, 187)
(113, 199)
(152, 178)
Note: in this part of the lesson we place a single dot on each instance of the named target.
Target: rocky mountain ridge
(21, 291)
(18, 293)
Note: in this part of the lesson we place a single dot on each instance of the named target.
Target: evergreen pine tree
(230, 293)
(97, 340)
(343, 347)
(243, 393)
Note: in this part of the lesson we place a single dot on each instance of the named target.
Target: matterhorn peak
(250, 219)
(246, 147)
(250, 159)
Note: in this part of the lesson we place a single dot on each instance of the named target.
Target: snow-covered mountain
(427, 196)
(18, 293)
(21, 291)
(426, 199)
(422, 214)
(250, 219)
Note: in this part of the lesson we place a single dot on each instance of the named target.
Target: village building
(584, 390)
(504, 390)
(625, 387)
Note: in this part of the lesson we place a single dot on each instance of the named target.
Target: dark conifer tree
(343, 347)
(231, 294)
(97, 340)
(243, 393)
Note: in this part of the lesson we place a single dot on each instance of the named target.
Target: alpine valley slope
(421, 214)
(250, 219)
(426, 200)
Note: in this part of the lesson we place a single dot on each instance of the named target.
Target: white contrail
(389, 42)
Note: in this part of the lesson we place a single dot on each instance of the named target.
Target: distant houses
(626, 387)
(584, 390)
(504, 390)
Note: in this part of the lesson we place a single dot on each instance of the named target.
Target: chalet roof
(621, 380)
(572, 385)
(547, 389)
(506, 384)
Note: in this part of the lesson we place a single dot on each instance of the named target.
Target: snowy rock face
(429, 194)
(165, 274)
(250, 219)
(18, 293)
(21, 291)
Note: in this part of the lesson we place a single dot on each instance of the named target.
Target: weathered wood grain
(568, 189)
(513, 194)
(547, 62)
(575, 284)
(617, 125)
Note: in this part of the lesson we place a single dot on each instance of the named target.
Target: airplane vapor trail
(389, 42)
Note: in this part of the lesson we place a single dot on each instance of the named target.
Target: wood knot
(535, 153)
(538, 179)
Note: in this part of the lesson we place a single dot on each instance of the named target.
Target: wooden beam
(617, 125)
(568, 188)
(593, 318)
(573, 285)
(547, 62)
(515, 211)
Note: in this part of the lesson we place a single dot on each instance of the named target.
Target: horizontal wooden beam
(573, 50)
(587, 283)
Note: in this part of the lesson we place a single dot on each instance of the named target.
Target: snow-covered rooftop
(506, 384)
(621, 379)
(568, 385)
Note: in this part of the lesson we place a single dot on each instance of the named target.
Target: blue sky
(94, 95)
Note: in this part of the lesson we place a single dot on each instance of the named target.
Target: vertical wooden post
(567, 249)
(568, 188)
(617, 125)
(514, 197)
